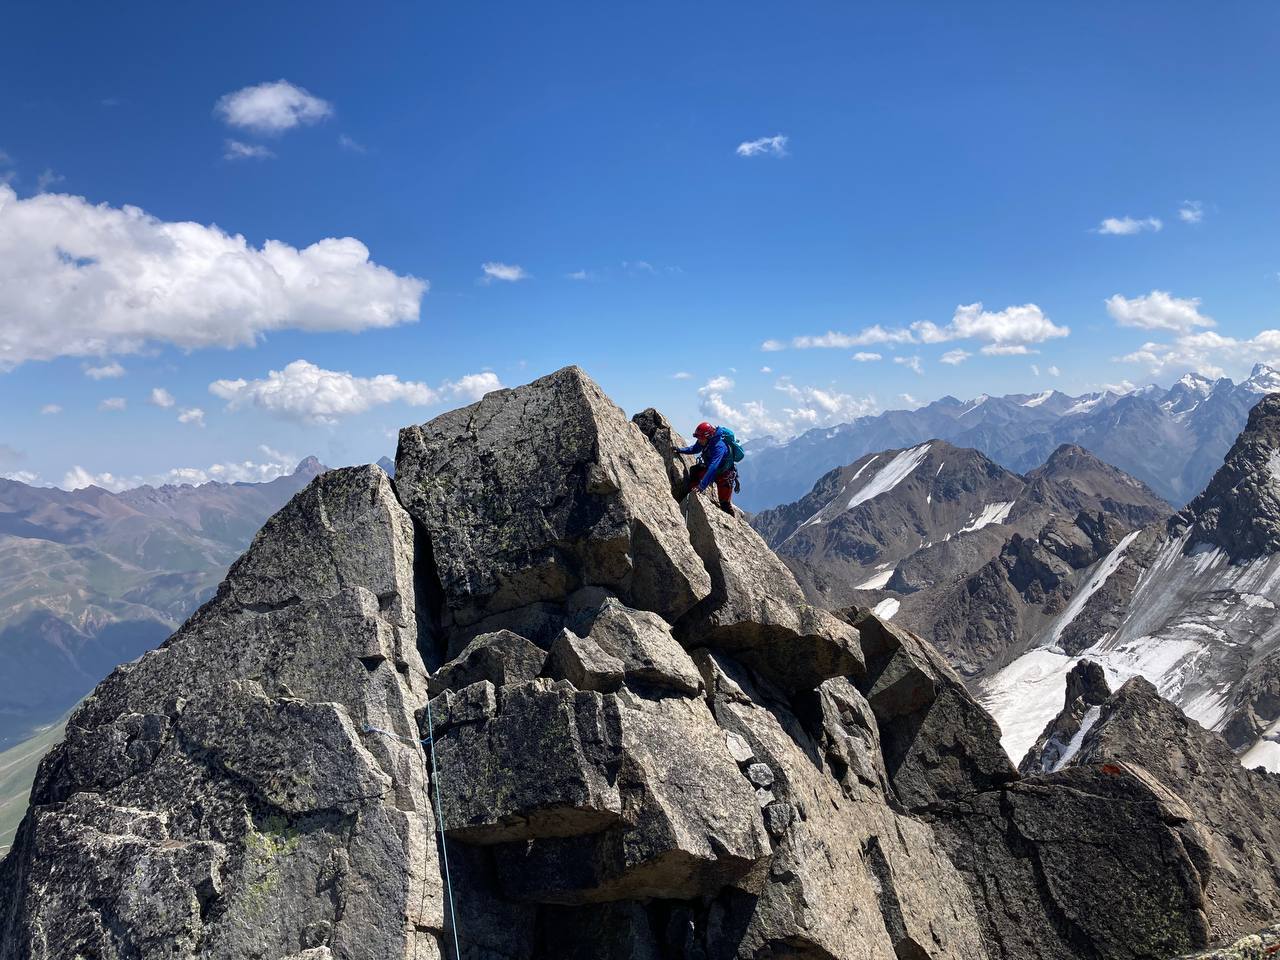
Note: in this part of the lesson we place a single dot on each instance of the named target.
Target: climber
(718, 450)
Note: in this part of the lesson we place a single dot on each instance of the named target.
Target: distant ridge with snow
(1172, 439)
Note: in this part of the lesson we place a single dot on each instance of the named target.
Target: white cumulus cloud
(79, 279)
(1127, 226)
(955, 357)
(191, 415)
(1207, 352)
(1158, 310)
(1025, 323)
(272, 107)
(764, 146)
(160, 397)
(307, 393)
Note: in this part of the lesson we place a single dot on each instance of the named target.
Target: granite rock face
(220, 796)
(532, 493)
(647, 746)
(1235, 811)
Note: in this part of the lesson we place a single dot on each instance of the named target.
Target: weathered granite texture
(649, 746)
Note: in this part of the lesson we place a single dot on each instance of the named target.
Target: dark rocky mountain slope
(901, 523)
(648, 746)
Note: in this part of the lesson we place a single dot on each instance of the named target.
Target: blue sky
(936, 156)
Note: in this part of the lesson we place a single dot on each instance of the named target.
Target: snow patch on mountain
(877, 582)
(1086, 724)
(991, 513)
(1038, 399)
(886, 608)
(1106, 567)
(892, 474)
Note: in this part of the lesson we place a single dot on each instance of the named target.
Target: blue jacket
(714, 454)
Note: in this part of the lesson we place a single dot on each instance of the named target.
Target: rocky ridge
(1234, 810)
(648, 745)
(1173, 439)
(1188, 604)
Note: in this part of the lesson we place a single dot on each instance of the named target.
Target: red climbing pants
(724, 482)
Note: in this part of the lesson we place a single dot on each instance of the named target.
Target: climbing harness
(430, 741)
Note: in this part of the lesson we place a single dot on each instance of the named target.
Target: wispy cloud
(507, 272)
(1191, 211)
(47, 179)
(765, 146)
(50, 409)
(1007, 350)
(911, 363)
(113, 404)
(1158, 310)
(1055, 372)
(107, 371)
(955, 357)
(347, 143)
(682, 375)
(1126, 226)
(272, 107)
(160, 397)
(237, 150)
(865, 357)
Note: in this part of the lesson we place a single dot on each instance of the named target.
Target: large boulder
(532, 493)
(1086, 862)
(937, 741)
(227, 794)
(1234, 811)
(756, 610)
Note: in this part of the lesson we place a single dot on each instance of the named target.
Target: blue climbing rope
(430, 741)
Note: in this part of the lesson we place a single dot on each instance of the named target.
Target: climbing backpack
(735, 448)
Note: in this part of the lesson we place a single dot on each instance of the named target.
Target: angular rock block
(607, 643)
(692, 826)
(544, 764)
(249, 726)
(1087, 862)
(936, 740)
(756, 610)
(666, 441)
(532, 493)
(501, 658)
(849, 877)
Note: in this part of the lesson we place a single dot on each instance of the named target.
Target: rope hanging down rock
(430, 741)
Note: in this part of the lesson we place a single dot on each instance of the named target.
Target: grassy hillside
(17, 771)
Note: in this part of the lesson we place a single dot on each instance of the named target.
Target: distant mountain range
(1189, 604)
(90, 579)
(1172, 439)
(896, 529)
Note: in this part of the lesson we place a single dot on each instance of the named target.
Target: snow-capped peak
(1038, 399)
(1197, 383)
(1263, 379)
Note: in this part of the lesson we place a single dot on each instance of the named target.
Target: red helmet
(703, 430)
